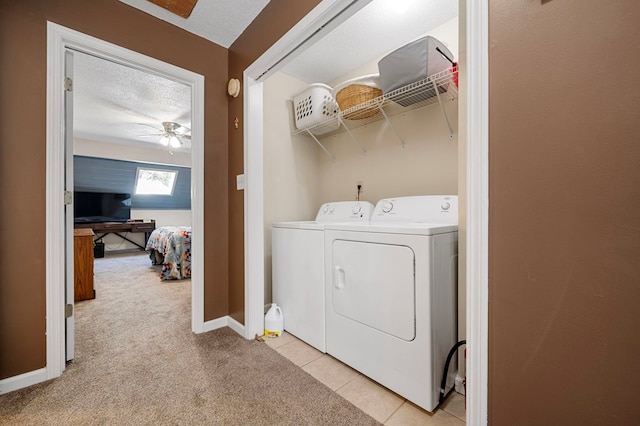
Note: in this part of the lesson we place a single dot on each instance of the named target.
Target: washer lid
(308, 224)
(410, 228)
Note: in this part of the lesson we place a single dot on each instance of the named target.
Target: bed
(170, 246)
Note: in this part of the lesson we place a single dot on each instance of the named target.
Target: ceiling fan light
(164, 141)
(174, 142)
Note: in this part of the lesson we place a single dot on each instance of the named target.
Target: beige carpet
(137, 362)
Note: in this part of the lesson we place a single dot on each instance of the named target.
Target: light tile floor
(379, 402)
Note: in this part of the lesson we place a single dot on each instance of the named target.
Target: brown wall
(274, 21)
(564, 206)
(23, 39)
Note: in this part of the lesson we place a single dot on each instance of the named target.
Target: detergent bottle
(273, 321)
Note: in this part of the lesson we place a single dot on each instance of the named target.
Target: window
(155, 182)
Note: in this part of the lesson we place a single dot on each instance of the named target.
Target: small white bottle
(273, 321)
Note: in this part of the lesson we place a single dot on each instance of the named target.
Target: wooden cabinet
(83, 264)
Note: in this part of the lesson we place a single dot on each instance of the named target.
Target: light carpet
(137, 362)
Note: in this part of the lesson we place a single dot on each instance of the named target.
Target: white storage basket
(316, 109)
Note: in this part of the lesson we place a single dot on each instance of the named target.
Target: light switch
(240, 182)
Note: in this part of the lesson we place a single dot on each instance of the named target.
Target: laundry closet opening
(406, 152)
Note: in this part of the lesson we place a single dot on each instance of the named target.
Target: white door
(374, 285)
(68, 188)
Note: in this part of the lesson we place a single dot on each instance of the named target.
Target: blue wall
(106, 175)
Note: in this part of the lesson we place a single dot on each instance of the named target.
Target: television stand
(101, 229)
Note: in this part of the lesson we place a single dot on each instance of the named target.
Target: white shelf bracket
(362, 148)
(386, 117)
(446, 118)
(321, 146)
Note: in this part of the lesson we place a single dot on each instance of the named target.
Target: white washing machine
(391, 294)
(298, 268)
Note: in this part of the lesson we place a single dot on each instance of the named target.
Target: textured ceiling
(378, 28)
(117, 104)
(219, 21)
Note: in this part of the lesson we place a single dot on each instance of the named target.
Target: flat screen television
(92, 207)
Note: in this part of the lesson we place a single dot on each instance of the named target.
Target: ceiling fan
(172, 134)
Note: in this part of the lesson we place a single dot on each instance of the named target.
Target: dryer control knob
(332, 209)
(445, 206)
(356, 209)
(325, 208)
(387, 206)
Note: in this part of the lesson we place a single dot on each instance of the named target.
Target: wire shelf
(434, 89)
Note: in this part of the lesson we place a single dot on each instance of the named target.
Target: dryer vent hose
(443, 384)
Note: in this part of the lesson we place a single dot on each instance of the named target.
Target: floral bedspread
(173, 244)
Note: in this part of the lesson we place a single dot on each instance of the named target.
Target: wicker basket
(356, 94)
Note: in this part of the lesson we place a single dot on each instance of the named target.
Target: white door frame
(477, 83)
(267, 64)
(477, 262)
(59, 39)
(70, 327)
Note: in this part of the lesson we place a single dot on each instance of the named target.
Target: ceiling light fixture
(170, 137)
(174, 141)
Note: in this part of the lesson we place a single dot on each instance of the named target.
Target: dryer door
(374, 285)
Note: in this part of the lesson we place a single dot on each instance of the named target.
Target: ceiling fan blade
(180, 135)
(156, 128)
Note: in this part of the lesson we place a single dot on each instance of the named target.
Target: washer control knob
(332, 209)
(387, 206)
(445, 206)
(325, 208)
(356, 209)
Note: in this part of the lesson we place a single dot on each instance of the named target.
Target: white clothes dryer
(391, 285)
(298, 268)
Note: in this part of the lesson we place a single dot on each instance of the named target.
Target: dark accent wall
(23, 37)
(564, 212)
(270, 25)
(107, 175)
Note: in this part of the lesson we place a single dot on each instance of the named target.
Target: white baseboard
(225, 321)
(460, 385)
(215, 324)
(23, 380)
(235, 326)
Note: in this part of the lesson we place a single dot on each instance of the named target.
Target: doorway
(117, 121)
(59, 40)
(473, 162)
